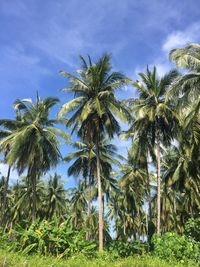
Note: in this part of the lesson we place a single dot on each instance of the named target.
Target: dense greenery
(155, 189)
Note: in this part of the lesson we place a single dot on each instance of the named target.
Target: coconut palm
(95, 108)
(181, 174)
(78, 203)
(34, 145)
(22, 197)
(155, 116)
(9, 126)
(56, 197)
(84, 165)
(187, 86)
(125, 206)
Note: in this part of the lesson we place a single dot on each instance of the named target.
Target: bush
(173, 247)
(48, 238)
(125, 249)
(192, 229)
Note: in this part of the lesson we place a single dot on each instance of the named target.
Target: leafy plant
(173, 247)
(125, 249)
(50, 238)
(192, 228)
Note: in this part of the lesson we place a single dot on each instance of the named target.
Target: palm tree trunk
(33, 197)
(32, 181)
(5, 194)
(103, 203)
(158, 184)
(100, 204)
(89, 209)
(149, 199)
(174, 202)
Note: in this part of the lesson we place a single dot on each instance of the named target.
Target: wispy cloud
(180, 38)
(19, 69)
(172, 40)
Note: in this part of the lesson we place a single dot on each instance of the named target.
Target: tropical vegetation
(144, 202)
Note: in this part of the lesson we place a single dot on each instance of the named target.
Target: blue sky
(39, 38)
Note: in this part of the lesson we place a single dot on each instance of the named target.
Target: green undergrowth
(11, 259)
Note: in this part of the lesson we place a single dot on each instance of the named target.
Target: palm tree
(187, 86)
(22, 200)
(126, 203)
(133, 184)
(78, 203)
(34, 145)
(9, 126)
(155, 116)
(181, 174)
(84, 164)
(56, 197)
(140, 153)
(95, 108)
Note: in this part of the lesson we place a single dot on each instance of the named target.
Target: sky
(39, 38)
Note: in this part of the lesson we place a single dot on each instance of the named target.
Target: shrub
(49, 238)
(173, 247)
(192, 229)
(125, 249)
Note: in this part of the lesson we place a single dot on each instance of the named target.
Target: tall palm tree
(140, 153)
(22, 200)
(187, 86)
(155, 116)
(133, 184)
(181, 173)
(84, 164)
(95, 108)
(9, 126)
(56, 197)
(34, 145)
(78, 202)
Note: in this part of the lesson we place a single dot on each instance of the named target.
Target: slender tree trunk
(32, 181)
(88, 212)
(174, 202)
(103, 204)
(33, 198)
(174, 210)
(88, 224)
(158, 184)
(147, 226)
(99, 202)
(149, 200)
(5, 194)
(124, 230)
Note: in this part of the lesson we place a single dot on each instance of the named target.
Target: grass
(11, 259)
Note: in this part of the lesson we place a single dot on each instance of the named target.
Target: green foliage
(8, 259)
(50, 238)
(173, 247)
(166, 108)
(125, 249)
(192, 228)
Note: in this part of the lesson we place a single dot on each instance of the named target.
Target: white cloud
(162, 65)
(174, 39)
(180, 38)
